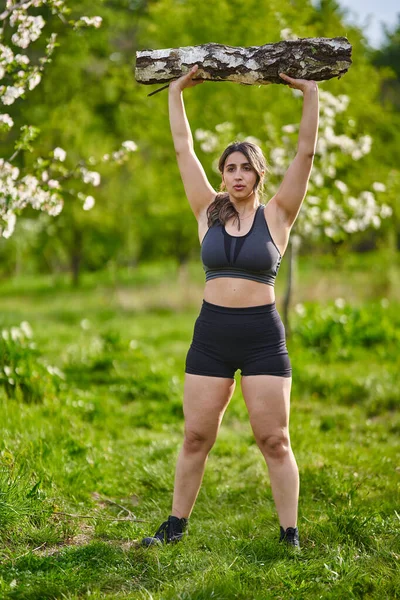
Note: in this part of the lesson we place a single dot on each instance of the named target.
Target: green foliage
(387, 58)
(339, 328)
(23, 373)
(88, 101)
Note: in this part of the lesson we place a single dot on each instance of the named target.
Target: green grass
(112, 433)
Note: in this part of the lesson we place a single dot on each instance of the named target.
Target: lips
(238, 187)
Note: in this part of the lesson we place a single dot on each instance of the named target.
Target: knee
(195, 442)
(275, 445)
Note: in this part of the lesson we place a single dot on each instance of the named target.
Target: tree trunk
(288, 292)
(76, 258)
(306, 58)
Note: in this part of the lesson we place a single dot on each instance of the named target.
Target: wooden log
(305, 58)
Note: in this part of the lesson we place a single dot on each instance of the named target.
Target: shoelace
(162, 529)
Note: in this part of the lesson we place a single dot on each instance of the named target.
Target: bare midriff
(238, 293)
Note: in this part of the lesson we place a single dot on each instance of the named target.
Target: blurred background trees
(88, 101)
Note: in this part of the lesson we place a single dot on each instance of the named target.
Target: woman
(242, 242)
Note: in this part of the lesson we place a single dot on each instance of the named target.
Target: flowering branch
(44, 187)
(330, 210)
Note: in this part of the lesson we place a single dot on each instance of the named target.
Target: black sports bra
(252, 256)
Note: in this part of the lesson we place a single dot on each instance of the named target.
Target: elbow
(307, 153)
(182, 147)
(182, 144)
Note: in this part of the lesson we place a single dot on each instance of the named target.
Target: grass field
(87, 456)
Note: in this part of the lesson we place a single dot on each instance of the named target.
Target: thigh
(267, 398)
(204, 402)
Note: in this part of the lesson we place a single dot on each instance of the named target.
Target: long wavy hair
(222, 209)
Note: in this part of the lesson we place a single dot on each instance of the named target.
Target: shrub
(24, 375)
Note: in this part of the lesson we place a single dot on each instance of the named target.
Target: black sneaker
(290, 536)
(169, 531)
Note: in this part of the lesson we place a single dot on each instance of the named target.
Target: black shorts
(251, 339)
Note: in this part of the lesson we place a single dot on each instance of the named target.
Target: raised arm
(293, 188)
(198, 190)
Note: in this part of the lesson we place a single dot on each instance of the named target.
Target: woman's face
(239, 176)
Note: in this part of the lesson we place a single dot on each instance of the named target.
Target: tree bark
(306, 58)
(288, 292)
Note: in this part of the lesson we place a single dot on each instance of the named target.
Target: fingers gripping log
(306, 58)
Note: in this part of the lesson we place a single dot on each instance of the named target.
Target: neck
(246, 207)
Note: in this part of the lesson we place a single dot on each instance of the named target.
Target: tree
(46, 182)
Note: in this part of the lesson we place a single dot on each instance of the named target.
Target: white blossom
(278, 156)
(95, 21)
(89, 203)
(91, 177)
(378, 187)
(329, 232)
(327, 215)
(222, 127)
(376, 222)
(59, 154)
(29, 28)
(318, 180)
(330, 171)
(129, 145)
(6, 55)
(287, 34)
(341, 186)
(210, 143)
(368, 197)
(289, 128)
(386, 211)
(340, 303)
(55, 207)
(10, 94)
(351, 226)
(200, 134)
(252, 140)
(9, 219)
(22, 59)
(53, 183)
(34, 80)
(26, 329)
(300, 310)
(6, 120)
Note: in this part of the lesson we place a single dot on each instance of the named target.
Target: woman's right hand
(186, 80)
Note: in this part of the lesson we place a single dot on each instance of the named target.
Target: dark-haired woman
(242, 243)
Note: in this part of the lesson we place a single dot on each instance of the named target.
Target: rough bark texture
(305, 58)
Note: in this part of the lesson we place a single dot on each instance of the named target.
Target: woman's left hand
(299, 84)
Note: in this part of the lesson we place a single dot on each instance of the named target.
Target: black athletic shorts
(251, 339)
